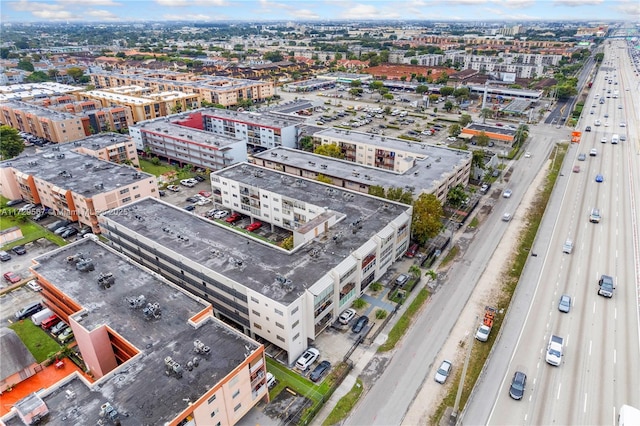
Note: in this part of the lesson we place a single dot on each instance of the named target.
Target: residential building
(55, 126)
(426, 176)
(180, 140)
(18, 363)
(73, 183)
(155, 353)
(141, 108)
(32, 91)
(341, 242)
(112, 147)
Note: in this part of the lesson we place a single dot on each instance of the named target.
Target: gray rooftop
(291, 107)
(424, 176)
(174, 130)
(487, 128)
(139, 388)
(40, 111)
(518, 105)
(14, 354)
(212, 245)
(35, 90)
(258, 119)
(80, 173)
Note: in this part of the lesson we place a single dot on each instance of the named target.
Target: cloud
(193, 17)
(304, 14)
(29, 6)
(85, 3)
(517, 4)
(362, 11)
(577, 3)
(103, 15)
(185, 3)
(629, 9)
(55, 15)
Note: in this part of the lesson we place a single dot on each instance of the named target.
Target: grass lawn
(344, 406)
(30, 231)
(404, 321)
(161, 168)
(39, 343)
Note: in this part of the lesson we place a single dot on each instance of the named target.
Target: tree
(355, 83)
(486, 113)
(477, 159)
(464, 120)
(329, 150)
(456, 196)
(415, 271)
(75, 73)
(448, 106)
(306, 143)
(422, 89)
(446, 91)
(482, 139)
(25, 65)
(324, 179)
(376, 191)
(388, 96)
(399, 194)
(11, 144)
(521, 135)
(38, 77)
(566, 91)
(454, 130)
(427, 214)
(273, 56)
(376, 85)
(355, 91)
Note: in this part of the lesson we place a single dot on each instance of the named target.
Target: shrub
(381, 314)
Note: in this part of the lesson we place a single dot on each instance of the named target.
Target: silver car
(443, 371)
(565, 303)
(567, 247)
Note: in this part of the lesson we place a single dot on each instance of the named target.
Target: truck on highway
(554, 350)
(615, 138)
(487, 323)
(628, 416)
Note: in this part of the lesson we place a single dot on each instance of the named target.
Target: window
(295, 324)
(234, 381)
(280, 338)
(279, 312)
(254, 300)
(214, 412)
(237, 407)
(257, 326)
(279, 325)
(294, 310)
(296, 336)
(210, 400)
(126, 199)
(236, 393)
(256, 313)
(124, 191)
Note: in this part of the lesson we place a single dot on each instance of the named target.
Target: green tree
(461, 93)
(477, 159)
(273, 56)
(306, 143)
(324, 179)
(482, 139)
(446, 91)
(355, 91)
(422, 89)
(388, 96)
(566, 91)
(486, 113)
(448, 106)
(427, 214)
(376, 85)
(377, 191)
(25, 65)
(464, 120)
(521, 135)
(38, 77)
(399, 194)
(355, 83)
(454, 130)
(329, 150)
(415, 271)
(11, 144)
(456, 196)
(75, 73)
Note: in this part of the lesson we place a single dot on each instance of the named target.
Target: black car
(192, 199)
(42, 215)
(518, 385)
(162, 193)
(28, 310)
(70, 232)
(360, 324)
(19, 250)
(199, 178)
(318, 372)
(190, 208)
(12, 203)
(58, 224)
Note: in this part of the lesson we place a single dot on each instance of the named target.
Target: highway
(600, 369)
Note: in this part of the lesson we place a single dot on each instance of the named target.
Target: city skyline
(323, 10)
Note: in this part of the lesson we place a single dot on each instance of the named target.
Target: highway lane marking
(590, 345)
(614, 356)
(615, 313)
(584, 408)
(594, 307)
(559, 387)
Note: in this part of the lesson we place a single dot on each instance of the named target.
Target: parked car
(28, 310)
(411, 252)
(319, 371)
(19, 250)
(50, 322)
(233, 218)
(565, 303)
(307, 358)
(61, 230)
(190, 208)
(173, 188)
(192, 199)
(220, 214)
(70, 232)
(360, 324)
(162, 193)
(42, 215)
(58, 224)
(518, 384)
(58, 328)
(16, 202)
(271, 380)
(27, 208)
(205, 194)
(485, 187)
(66, 335)
(253, 226)
(506, 193)
(443, 371)
(200, 178)
(34, 285)
(4, 256)
(347, 316)
(12, 277)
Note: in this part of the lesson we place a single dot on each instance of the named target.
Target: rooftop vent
(172, 367)
(106, 280)
(85, 265)
(201, 348)
(152, 311)
(136, 302)
(108, 412)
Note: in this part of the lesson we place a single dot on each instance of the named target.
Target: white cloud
(185, 3)
(103, 15)
(55, 15)
(304, 14)
(30, 6)
(363, 11)
(577, 3)
(90, 2)
(193, 17)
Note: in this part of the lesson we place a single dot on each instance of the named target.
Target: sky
(311, 10)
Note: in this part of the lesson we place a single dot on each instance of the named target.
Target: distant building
(155, 353)
(18, 363)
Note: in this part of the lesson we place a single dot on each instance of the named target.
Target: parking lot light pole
(454, 413)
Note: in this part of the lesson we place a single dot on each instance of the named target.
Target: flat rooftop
(39, 111)
(138, 389)
(487, 128)
(217, 247)
(119, 97)
(264, 119)
(79, 173)
(424, 176)
(161, 126)
(35, 90)
(443, 154)
(291, 107)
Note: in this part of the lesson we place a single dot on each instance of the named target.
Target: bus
(629, 416)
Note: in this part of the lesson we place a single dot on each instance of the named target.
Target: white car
(622, 124)
(527, 154)
(597, 123)
(33, 285)
(506, 217)
(347, 316)
(307, 358)
(593, 152)
(567, 247)
(221, 214)
(506, 193)
(603, 140)
(443, 371)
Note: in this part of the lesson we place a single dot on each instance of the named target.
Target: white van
(615, 138)
(41, 316)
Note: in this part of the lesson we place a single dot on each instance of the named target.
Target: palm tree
(415, 271)
(486, 113)
(521, 135)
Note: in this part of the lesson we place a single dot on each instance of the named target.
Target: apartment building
(179, 140)
(33, 91)
(155, 353)
(73, 183)
(224, 91)
(112, 147)
(426, 176)
(141, 108)
(266, 130)
(55, 126)
(342, 242)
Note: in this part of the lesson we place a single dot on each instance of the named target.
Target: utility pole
(454, 413)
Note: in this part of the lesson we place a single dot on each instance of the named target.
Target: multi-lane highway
(599, 371)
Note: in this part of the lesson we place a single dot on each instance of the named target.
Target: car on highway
(593, 152)
(506, 217)
(599, 178)
(347, 316)
(606, 124)
(597, 123)
(582, 156)
(564, 305)
(622, 124)
(319, 371)
(360, 324)
(12, 277)
(623, 138)
(443, 371)
(518, 385)
(34, 285)
(567, 247)
(576, 169)
(587, 129)
(594, 217)
(603, 139)
(605, 286)
(527, 154)
(506, 193)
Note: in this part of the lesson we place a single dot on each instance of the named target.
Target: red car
(12, 277)
(234, 218)
(205, 194)
(253, 226)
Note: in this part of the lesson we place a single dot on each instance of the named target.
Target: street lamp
(454, 413)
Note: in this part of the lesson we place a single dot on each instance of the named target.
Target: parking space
(20, 264)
